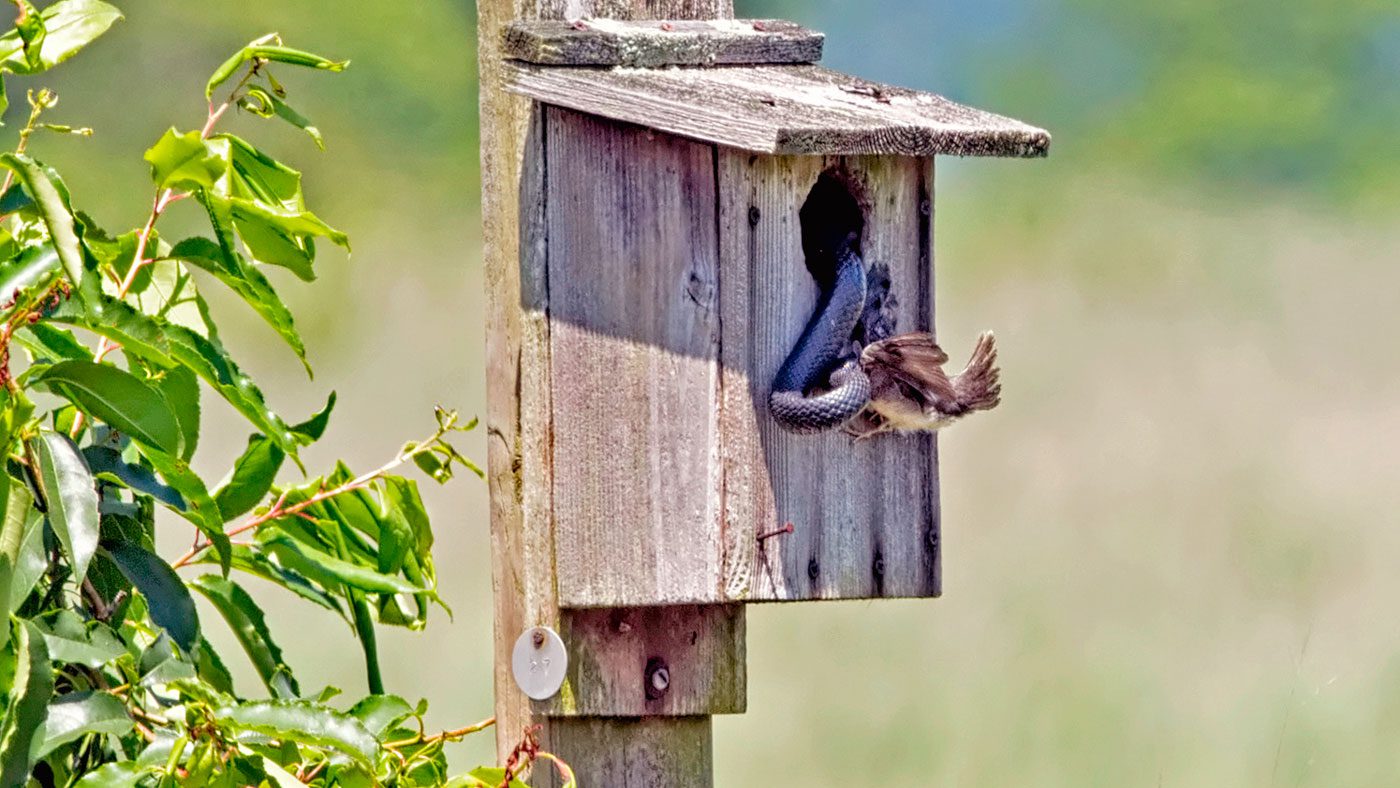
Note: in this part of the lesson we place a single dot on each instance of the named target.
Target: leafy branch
(431, 445)
(107, 675)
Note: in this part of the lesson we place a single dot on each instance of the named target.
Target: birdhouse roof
(747, 85)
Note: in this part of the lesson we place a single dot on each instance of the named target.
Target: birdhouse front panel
(677, 285)
(863, 511)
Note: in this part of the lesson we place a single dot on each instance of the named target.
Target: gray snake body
(810, 363)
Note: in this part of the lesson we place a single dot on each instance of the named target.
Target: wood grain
(634, 344)
(518, 435)
(656, 43)
(781, 109)
(865, 513)
(642, 752)
(700, 646)
(634, 9)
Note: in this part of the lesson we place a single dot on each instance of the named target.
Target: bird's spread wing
(912, 363)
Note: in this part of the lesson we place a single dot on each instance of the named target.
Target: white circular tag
(539, 662)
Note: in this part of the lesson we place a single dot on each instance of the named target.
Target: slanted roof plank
(797, 109)
(654, 43)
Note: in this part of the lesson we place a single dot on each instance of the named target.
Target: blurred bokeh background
(1172, 556)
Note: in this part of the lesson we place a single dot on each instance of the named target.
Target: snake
(812, 362)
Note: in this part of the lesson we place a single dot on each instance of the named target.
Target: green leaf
(207, 357)
(70, 640)
(279, 54)
(108, 464)
(247, 281)
(246, 620)
(32, 560)
(138, 334)
(31, 30)
(70, 497)
(69, 25)
(184, 161)
(260, 565)
(161, 663)
(51, 197)
(323, 567)
(253, 474)
(489, 777)
(118, 398)
(200, 507)
(381, 713)
(28, 703)
(266, 103)
(124, 774)
(211, 668)
(262, 198)
(46, 342)
(401, 501)
(281, 778)
(77, 714)
(180, 387)
(34, 267)
(171, 606)
(303, 722)
(312, 429)
(11, 540)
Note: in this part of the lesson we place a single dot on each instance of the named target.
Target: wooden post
(607, 747)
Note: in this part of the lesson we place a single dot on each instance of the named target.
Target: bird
(910, 392)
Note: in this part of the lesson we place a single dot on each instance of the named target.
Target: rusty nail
(658, 678)
(787, 529)
(537, 638)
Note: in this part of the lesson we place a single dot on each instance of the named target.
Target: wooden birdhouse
(691, 230)
(679, 168)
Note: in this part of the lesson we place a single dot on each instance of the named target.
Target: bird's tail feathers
(978, 386)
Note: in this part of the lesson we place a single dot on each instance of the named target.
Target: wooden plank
(635, 9)
(518, 440)
(635, 347)
(656, 43)
(645, 752)
(805, 110)
(865, 513)
(615, 655)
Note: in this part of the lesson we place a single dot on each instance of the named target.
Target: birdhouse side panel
(634, 347)
(864, 513)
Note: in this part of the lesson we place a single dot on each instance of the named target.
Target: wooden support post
(611, 748)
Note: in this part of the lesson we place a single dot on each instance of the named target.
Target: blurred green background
(1171, 557)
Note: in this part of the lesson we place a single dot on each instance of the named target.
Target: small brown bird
(910, 392)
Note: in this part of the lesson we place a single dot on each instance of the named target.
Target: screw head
(657, 678)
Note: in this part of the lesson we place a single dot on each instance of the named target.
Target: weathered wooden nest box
(674, 170)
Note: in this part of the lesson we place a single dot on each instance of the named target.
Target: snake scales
(810, 363)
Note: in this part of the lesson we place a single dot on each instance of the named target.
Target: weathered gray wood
(865, 513)
(635, 9)
(701, 648)
(634, 343)
(518, 434)
(655, 43)
(646, 752)
(781, 109)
